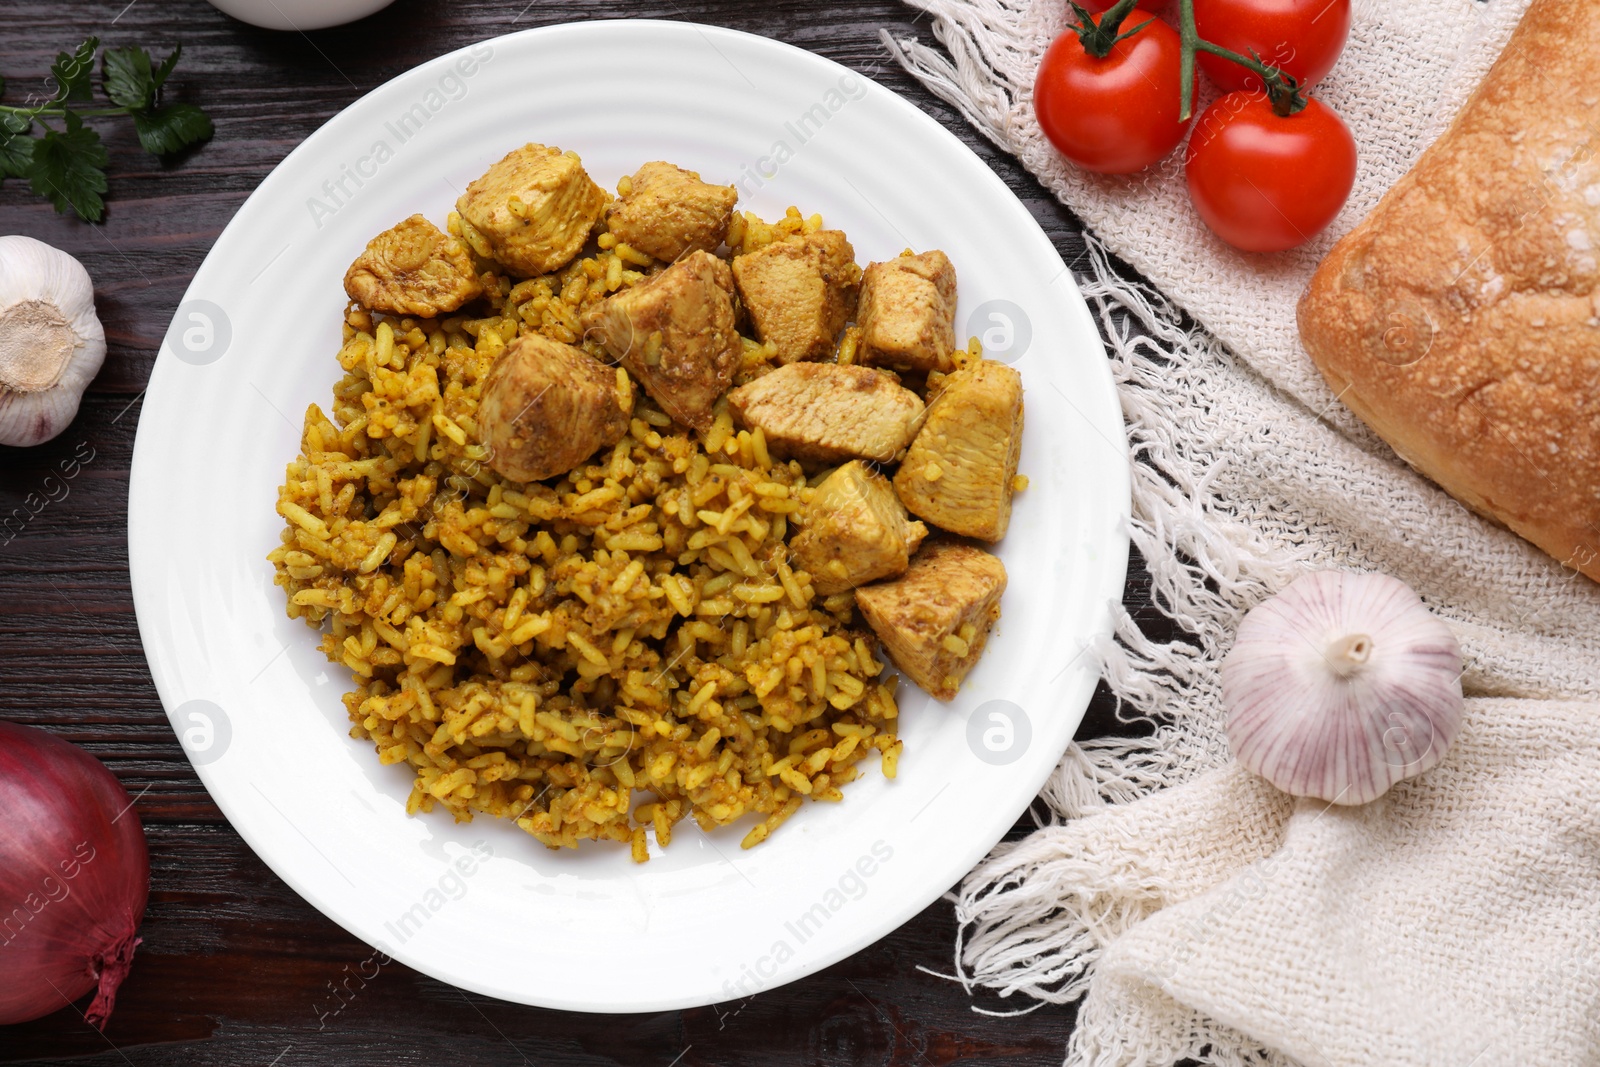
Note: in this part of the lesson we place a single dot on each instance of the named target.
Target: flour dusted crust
(1461, 319)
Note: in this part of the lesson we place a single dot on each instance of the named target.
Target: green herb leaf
(126, 75)
(68, 169)
(166, 67)
(16, 153)
(167, 129)
(74, 74)
(67, 166)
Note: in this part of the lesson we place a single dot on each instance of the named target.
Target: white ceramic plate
(482, 905)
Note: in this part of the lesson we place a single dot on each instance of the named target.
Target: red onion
(74, 877)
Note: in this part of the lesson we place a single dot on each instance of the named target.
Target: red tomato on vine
(1108, 99)
(1302, 38)
(1264, 181)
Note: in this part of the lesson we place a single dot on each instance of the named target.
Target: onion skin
(74, 878)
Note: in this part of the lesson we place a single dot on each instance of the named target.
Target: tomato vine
(1284, 91)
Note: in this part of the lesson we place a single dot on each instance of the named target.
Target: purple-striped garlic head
(1342, 685)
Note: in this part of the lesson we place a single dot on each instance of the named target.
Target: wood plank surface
(236, 969)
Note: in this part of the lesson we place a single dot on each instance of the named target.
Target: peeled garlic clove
(1342, 685)
(51, 341)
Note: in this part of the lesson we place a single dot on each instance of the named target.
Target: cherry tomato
(1264, 182)
(1300, 37)
(1116, 114)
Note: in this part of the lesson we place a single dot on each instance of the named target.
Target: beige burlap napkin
(1192, 909)
(1453, 921)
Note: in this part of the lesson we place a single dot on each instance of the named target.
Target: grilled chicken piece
(934, 619)
(669, 211)
(958, 472)
(855, 531)
(675, 332)
(413, 268)
(826, 413)
(547, 407)
(800, 292)
(908, 312)
(532, 211)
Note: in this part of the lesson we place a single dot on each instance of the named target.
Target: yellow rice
(592, 660)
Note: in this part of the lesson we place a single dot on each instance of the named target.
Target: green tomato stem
(1099, 37)
(1190, 38)
(1283, 90)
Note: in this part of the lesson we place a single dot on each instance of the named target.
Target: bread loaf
(1461, 319)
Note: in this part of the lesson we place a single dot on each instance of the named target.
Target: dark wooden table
(234, 964)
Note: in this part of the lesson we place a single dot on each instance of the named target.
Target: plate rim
(1112, 567)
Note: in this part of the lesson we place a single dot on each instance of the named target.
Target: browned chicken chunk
(908, 312)
(855, 531)
(959, 471)
(826, 413)
(532, 211)
(675, 332)
(547, 407)
(934, 619)
(669, 211)
(800, 292)
(413, 268)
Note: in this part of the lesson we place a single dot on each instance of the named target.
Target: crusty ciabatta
(1461, 319)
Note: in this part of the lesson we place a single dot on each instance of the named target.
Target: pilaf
(592, 657)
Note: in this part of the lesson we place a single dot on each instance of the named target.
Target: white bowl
(299, 14)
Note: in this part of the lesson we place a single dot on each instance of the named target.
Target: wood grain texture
(236, 969)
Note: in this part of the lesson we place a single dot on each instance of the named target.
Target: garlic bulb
(1342, 685)
(51, 342)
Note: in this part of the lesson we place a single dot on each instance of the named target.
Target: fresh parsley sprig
(66, 163)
